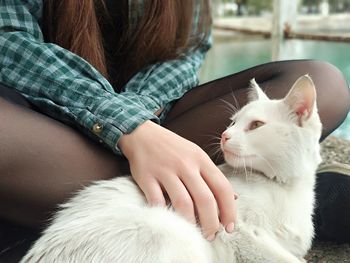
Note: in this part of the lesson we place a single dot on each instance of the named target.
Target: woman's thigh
(202, 115)
(43, 161)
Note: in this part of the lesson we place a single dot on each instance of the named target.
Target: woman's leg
(42, 162)
(201, 115)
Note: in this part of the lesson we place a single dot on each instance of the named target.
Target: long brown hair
(162, 32)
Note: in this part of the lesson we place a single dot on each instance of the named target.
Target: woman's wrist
(127, 142)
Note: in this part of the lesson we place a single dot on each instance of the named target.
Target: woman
(113, 70)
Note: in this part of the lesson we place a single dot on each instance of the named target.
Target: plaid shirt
(66, 87)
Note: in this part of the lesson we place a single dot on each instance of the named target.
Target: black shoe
(332, 213)
(15, 240)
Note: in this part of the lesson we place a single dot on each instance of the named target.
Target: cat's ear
(255, 92)
(301, 98)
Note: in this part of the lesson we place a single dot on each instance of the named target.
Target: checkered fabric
(66, 87)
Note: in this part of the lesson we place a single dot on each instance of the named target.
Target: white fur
(110, 221)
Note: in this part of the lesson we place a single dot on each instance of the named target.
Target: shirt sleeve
(163, 83)
(68, 88)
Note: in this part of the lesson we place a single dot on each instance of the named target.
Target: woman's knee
(333, 94)
(335, 83)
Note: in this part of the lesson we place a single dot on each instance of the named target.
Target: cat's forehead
(258, 109)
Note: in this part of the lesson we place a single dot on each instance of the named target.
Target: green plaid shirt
(67, 88)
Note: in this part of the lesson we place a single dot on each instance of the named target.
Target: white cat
(271, 150)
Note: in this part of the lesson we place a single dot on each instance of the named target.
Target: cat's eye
(256, 124)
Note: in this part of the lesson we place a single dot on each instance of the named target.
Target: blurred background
(251, 32)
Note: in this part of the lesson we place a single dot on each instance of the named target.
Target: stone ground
(328, 252)
(334, 150)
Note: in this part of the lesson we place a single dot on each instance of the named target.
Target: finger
(205, 204)
(180, 197)
(223, 193)
(153, 192)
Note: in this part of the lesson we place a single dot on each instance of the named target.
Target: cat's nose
(225, 137)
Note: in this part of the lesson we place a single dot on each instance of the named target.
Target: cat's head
(278, 138)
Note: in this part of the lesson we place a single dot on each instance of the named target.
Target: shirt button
(97, 128)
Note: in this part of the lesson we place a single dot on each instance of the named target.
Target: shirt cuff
(109, 120)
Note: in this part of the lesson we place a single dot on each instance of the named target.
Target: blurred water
(230, 55)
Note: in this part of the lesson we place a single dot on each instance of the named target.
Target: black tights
(42, 161)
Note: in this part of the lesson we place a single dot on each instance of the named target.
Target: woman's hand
(162, 160)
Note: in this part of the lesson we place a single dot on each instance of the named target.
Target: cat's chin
(234, 158)
(240, 163)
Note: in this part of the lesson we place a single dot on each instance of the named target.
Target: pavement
(329, 252)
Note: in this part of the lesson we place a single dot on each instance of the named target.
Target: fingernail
(235, 196)
(211, 238)
(229, 228)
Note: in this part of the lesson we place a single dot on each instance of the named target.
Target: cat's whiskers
(218, 153)
(245, 169)
(232, 109)
(251, 167)
(238, 106)
(209, 145)
(213, 137)
(214, 146)
(217, 138)
(214, 149)
(235, 169)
